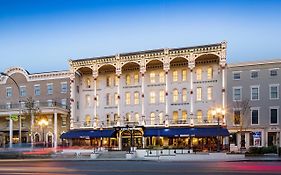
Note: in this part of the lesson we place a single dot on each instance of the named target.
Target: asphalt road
(136, 167)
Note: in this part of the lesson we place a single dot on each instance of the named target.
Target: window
(88, 101)
(175, 95)
(254, 74)
(162, 96)
(210, 93)
(128, 117)
(161, 118)
(136, 78)
(184, 116)
(184, 75)
(199, 116)
(9, 92)
(152, 118)
(77, 105)
(50, 103)
(22, 91)
(152, 77)
(50, 88)
(63, 87)
(152, 97)
(274, 115)
(254, 92)
(273, 72)
(184, 95)
(116, 80)
(63, 121)
(108, 122)
(175, 117)
(108, 81)
(209, 116)
(199, 94)
(162, 77)
(236, 75)
(88, 120)
(175, 76)
(136, 98)
(128, 80)
(108, 99)
(210, 73)
(115, 98)
(88, 83)
(274, 91)
(37, 90)
(128, 98)
(237, 93)
(236, 117)
(255, 116)
(137, 117)
(199, 74)
(63, 103)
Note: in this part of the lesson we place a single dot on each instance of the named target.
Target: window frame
(273, 85)
(251, 90)
(257, 109)
(277, 108)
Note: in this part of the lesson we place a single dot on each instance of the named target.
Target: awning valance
(76, 134)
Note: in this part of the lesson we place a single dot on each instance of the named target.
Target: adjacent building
(253, 99)
(34, 108)
(164, 97)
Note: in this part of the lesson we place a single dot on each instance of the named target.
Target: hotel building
(162, 97)
(34, 108)
(254, 104)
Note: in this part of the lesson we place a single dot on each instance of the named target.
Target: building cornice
(254, 63)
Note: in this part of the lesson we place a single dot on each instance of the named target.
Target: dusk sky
(42, 35)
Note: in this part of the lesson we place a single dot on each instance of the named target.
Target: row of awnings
(150, 132)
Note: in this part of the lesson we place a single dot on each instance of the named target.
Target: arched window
(184, 95)
(184, 75)
(88, 83)
(152, 118)
(128, 117)
(175, 117)
(136, 78)
(209, 116)
(128, 79)
(199, 116)
(198, 74)
(161, 96)
(152, 77)
(162, 77)
(161, 121)
(88, 120)
(210, 73)
(175, 76)
(184, 116)
(137, 117)
(175, 95)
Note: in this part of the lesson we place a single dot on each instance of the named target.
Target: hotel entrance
(131, 138)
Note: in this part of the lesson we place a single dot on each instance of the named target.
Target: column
(72, 100)
(223, 86)
(142, 71)
(118, 74)
(191, 67)
(95, 76)
(55, 129)
(166, 69)
(11, 132)
(31, 129)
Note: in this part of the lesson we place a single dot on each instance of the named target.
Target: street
(44, 167)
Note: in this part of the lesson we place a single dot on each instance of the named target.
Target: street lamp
(218, 113)
(43, 123)
(4, 74)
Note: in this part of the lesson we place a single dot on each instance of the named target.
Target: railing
(34, 105)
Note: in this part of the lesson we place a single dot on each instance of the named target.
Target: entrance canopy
(76, 134)
(186, 132)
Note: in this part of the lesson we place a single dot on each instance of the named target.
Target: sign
(257, 138)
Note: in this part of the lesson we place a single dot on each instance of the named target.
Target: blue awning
(186, 132)
(76, 134)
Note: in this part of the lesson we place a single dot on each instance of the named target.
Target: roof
(254, 63)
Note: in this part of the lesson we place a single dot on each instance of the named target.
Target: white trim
(61, 83)
(269, 70)
(273, 85)
(251, 71)
(258, 109)
(255, 86)
(237, 87)
(274, 107)
(233, 72)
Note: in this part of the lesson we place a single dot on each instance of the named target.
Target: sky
(42, 35)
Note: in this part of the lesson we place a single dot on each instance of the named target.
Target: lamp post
(43, 123)
(218, 113)
(4, 74)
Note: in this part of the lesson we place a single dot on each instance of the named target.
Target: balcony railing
(35, 105)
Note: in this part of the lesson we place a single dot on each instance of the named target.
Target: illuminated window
(152, 77)
(88, 120)
(209, 116)
(137, 117)
(175, 95)
(162, 77)
(162, 96)
(184, 75)
(210, 93)
(136, 98)
(184, 116)
(108, 99)
(128, 98)
(184, 95)
(152, 97)
(199, 116)
(161, 121)
(199, 94)
(152, 118)
(128, 80)
(116, 99)
(88, 101)
(136, 78)
(175, 75)
(128, 117)
(210, 73)
(108, 81)
(199, 74)
(175, 117)
(88, 83)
